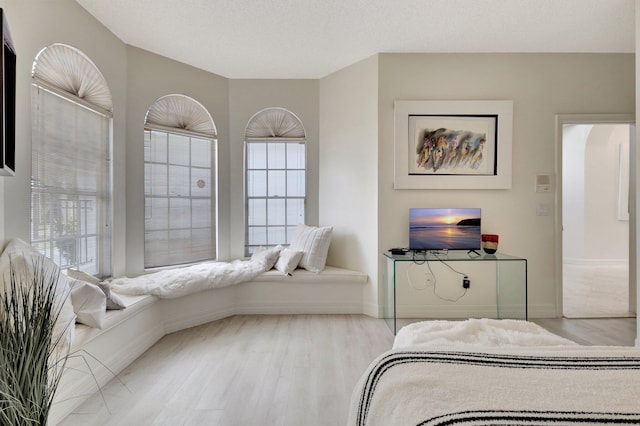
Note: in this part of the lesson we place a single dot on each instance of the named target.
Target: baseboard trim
(298, 307)
(542, 311)
(587, 262)
(372, 310)
(448, 312)
(91, 368)
(185, 321)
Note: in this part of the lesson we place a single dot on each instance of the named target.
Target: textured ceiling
(313, 38)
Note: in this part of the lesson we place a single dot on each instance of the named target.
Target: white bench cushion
(134, 304)
(329, 274)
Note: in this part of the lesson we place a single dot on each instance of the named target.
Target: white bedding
(559, 385)
(496, 372)
(476, 332)
(172, 283)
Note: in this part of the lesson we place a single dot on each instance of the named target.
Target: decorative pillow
(314, 242)
(89, 303)
(113, 301)
(288, 261)
(267, 257)
(23, 258)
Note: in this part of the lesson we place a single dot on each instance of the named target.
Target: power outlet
(429, 278)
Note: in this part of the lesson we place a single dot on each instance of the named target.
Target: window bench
(128, 333)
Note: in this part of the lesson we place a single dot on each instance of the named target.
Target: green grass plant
(32, 352)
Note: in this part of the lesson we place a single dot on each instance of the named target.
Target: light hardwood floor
(244, 370)
(593, 331)
(269, 370)
(595, 290)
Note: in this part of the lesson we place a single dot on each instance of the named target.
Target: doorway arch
(594, 119)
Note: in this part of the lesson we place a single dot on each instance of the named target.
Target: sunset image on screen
(439, 229)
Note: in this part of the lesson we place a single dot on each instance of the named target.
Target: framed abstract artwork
(453, 144)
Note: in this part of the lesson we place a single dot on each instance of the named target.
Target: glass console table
(509, 273)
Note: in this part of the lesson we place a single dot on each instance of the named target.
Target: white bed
(499, 384)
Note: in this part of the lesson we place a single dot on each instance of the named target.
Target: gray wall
(149, 77)
(541, 86)
(348, 169)
(136, 79)
(349, 120)
(35, 25)
(246, 97)
(637, 163)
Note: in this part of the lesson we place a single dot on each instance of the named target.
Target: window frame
(184, 116)
(212, 198)
(104, 205)
(289, 228)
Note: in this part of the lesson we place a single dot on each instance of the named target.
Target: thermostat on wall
(543, 182)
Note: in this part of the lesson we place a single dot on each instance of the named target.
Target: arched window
(71, 113)
(179, 182)
(275, 180)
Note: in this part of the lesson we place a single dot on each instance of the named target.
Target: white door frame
(561, 120)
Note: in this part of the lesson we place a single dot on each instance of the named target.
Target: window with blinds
(71, 171)
(179, 183)
(275, 178)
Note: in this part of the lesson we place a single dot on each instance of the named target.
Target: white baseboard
(194, 319)
(196, 309)
(95, 365)
(477, 311)
(372, 310)
(582, 261)
(298, 307)
(542, 311)
(447, 312)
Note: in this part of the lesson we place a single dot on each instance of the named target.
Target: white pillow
(288, 261)
(113, 301)
(267, 257)
(89, 303)
(314, 242)
(23, 257)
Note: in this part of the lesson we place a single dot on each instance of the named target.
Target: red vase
(489, 243)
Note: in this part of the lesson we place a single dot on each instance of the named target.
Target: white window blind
(71, 181)
(275, 178)
(180, 184)
(179, 112)
(69, 70)
(274, 122)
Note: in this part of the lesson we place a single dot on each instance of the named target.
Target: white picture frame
(487, 121)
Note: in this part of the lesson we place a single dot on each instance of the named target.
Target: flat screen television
(7, 100)
(444, 229)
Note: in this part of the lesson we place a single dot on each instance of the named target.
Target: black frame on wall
(8, 97)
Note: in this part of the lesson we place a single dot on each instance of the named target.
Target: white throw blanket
(172, 283)
(496, 372)
(474, 332)
(555, 385)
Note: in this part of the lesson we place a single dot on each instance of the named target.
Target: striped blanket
(569, 385)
